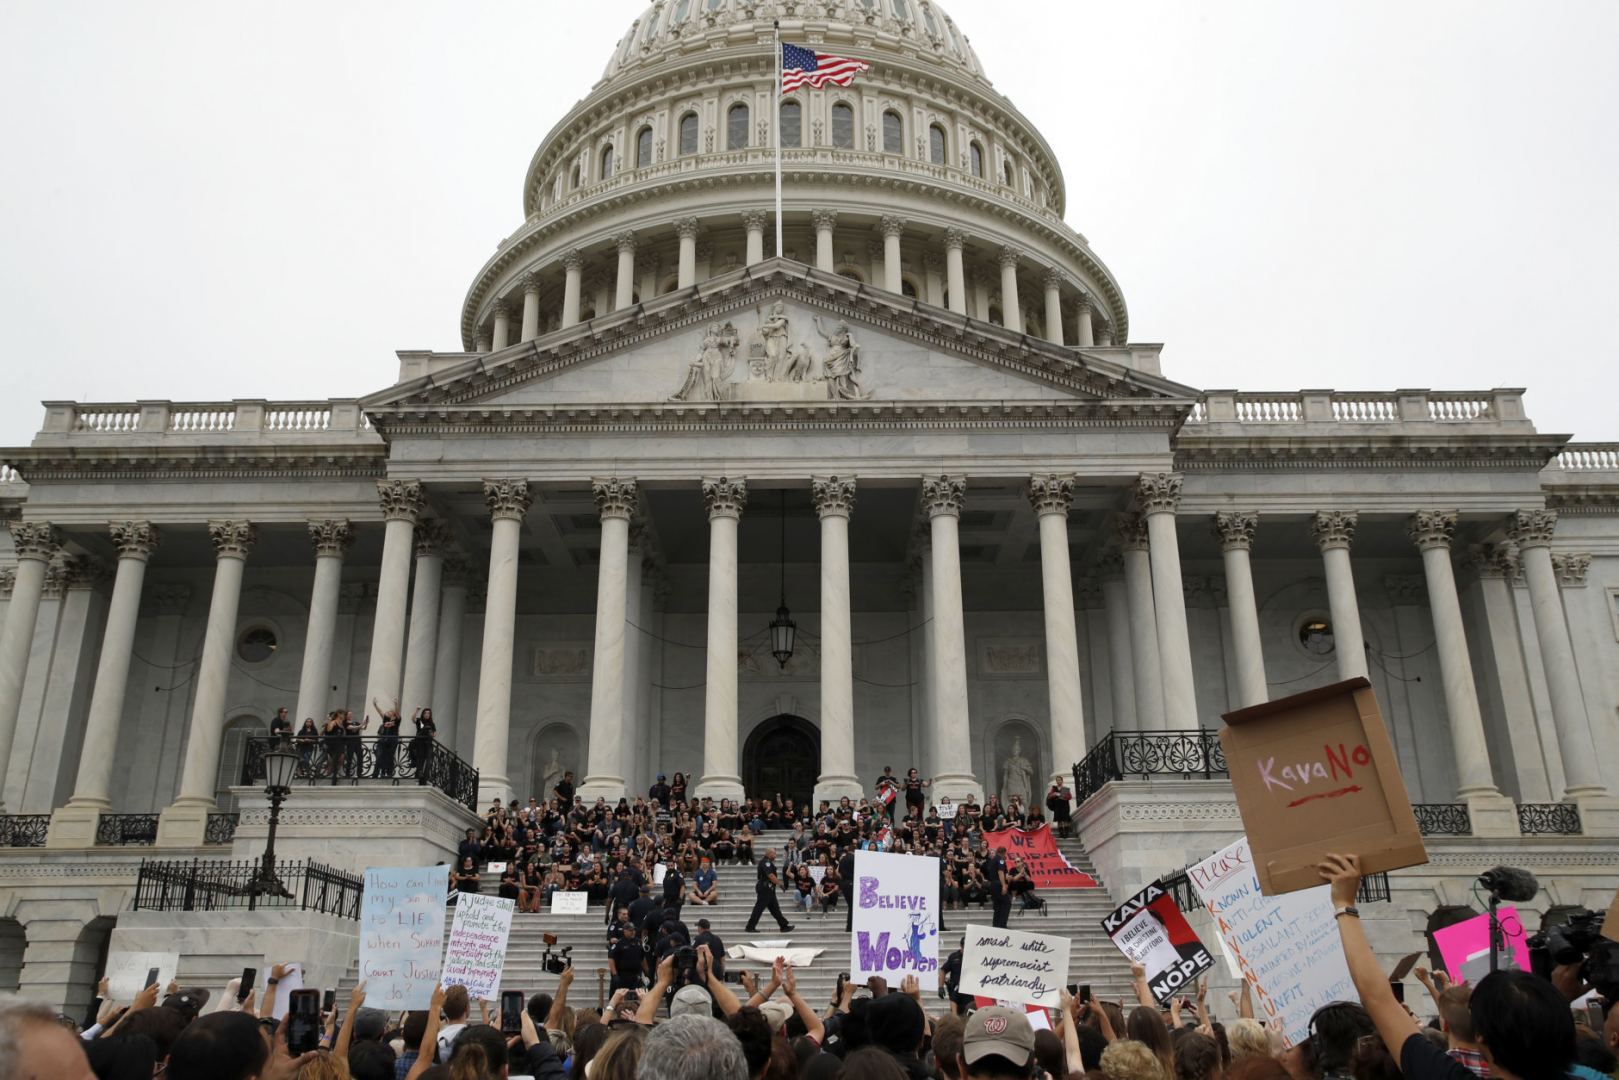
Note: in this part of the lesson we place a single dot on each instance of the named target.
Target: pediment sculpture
(778, 367)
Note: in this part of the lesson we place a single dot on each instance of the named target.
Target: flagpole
(778, 137)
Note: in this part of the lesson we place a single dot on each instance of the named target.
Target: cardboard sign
(126, 972)
(570, 903)
(896, 918)
(1465, 946)
(1287, 947)
(1048, 866)
(1150, 929)
(477, 950)
(402, 935)
(1014, 966)
(1610, 922)
(1315, 773)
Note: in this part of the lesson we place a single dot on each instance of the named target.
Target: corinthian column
(1050, 496)
(1053, 284)
(1236, 533)
(1334, 531)
(452, 617)
(508, 502)
(1159, 494)
(1085, 333)
(36, 542)
(834, 502)
(503, 325)
(1120, 666)
(401, 505)
(421, 648)
(942, 498)
(184, 822)
(74, 825)
(687, 229)
(1144, 659)
(331, 539)
(1532, 530)
(573, 272)
(754, 221)
(824, 220)
(616, 501)
(626, 271)
(893, 228)
(726, 498)
(1011, 311)
(955, 275)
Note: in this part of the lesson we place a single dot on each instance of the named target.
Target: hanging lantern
(782, 632)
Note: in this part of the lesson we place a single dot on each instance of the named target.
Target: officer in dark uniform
(1000, 897)
(846, 883)
(765, 895)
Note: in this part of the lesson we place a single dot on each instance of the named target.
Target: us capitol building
(1006, 541)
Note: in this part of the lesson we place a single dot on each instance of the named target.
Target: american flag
(800, 66)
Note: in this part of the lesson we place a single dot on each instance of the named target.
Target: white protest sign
(1012, 965)
(126, 972)
(659, 870)
(292, 978)
(570, 903)
(497, 868)
(1287, 946)
(817, 873)
(477, 949)
(896, 918)
(947, 811)
(1150, 929)
(402, 935)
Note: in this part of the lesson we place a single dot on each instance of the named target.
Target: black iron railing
(1443, 819)
(1373, 888)
(1544, 819)
(24, 830)
(118, 830)
(219, 885)
(1121, 754)
(371, 760)
(221, 828)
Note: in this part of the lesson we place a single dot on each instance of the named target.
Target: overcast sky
(215, 199)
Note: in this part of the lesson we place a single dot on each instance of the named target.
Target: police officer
(846, 883)
(765, 895)
(1000, 897)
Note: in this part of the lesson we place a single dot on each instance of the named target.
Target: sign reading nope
(1315, 773)
(1150, 929)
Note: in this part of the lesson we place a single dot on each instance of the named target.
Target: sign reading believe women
(896, 918)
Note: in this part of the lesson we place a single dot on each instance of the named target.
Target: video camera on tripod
(1579, 941)
(558, 961)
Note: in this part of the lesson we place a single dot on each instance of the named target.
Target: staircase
(1075, 913)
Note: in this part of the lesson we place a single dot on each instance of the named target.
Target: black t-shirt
(1422, 1060)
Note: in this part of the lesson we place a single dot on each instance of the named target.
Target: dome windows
(893, 133)
(843, 126)
(573, 180)
(931, 23)
(902, 10)
(792, 124)
(681, 9)
(715, 5)
(607, 161)
(1006, 172)
(651, 28)
(975, 157)
(736, 127)
(688, 134)
(643, 148)
(937, 147)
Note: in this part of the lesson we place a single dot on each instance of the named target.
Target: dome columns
(626, 271)
(892, 229)
(955, 275)
(573, 265)
(754, 221)
(1085, 334)
(503, 325)
(531, 307)
(824, 220)
(1011, 309)
(1053, 284)
(687, 229)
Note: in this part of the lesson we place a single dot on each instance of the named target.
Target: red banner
(1038, 848)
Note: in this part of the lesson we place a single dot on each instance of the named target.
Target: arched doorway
(782, 756)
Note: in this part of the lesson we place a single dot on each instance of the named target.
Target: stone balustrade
(338, 419)
(1587, 457)
(1498, 407)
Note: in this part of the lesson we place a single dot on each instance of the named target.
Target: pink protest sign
(1465, 947)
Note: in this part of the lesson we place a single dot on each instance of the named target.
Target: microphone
(1510, 884)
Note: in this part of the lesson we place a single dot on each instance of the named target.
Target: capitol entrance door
(782, 755)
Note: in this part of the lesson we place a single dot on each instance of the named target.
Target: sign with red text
(1150, 930)
(1037, 848)
(1315, 773)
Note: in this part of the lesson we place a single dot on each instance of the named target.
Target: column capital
(8, 580)
(833, 495)
(331, 537)
(1334, 528)
(233, 539)
(891, 225)
(500, 309)
(72, 572)
(755, 220)
(166, 598)
(955, 239)
(824, 220)
(1158, 493)
(615, 498)
(687, 228)
(573, 259)
(1132, 530)
(531, 283)
(943, 496)
(1405, 590)
(1052, 493)
(1009, 255)
(1052, 278)
(507, 498)
(1432, 528)
(1235, 529)
(725, 497)
(401, 499)
(1109, 565)
(1571, 569)
(1494, 560)
(1532, 528)
(1084, 305)
(433, 537)
(625, 241)
(133, 539)
(37, 540)
(457, 570)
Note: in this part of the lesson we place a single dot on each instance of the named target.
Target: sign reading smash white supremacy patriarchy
(1011, 965)
(896, 918)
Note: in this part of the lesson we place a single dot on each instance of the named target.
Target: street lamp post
(280, 766)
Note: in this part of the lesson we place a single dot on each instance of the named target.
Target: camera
(555, 960)
(685, 965)
(1579, 941)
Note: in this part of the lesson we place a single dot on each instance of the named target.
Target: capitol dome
(919, 178)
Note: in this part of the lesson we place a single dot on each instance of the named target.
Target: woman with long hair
(421, 743)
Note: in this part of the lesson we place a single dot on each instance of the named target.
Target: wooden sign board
(1315, 773)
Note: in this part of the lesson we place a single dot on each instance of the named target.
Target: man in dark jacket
(846, 880)
(716, 947)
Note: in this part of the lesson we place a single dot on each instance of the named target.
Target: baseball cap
(695, 1001)
(370, 1024)
(776, 1014)
(189, 1000)
(1003, 1032)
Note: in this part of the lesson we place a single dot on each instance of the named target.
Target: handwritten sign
(477, 950)
(402, 935)
(126, 972)
(1048, 866)
(1150, 929)
(947, 811)
(570, 903)
(1011, 965)
(1316, 773)
(817, 874)
(896, 918)
(1465, 946)
(496, 868)
(1287, 946)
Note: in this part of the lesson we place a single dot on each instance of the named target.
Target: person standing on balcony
(308, 739)
(353, 751)
(281, 725)
(332, 741)
(387, 742)
(421, 744)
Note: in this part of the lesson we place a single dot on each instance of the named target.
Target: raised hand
(357, 998)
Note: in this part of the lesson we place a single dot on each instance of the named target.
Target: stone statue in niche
(553, 773)
(1017, 775)
(841, 368)
(708, 378)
